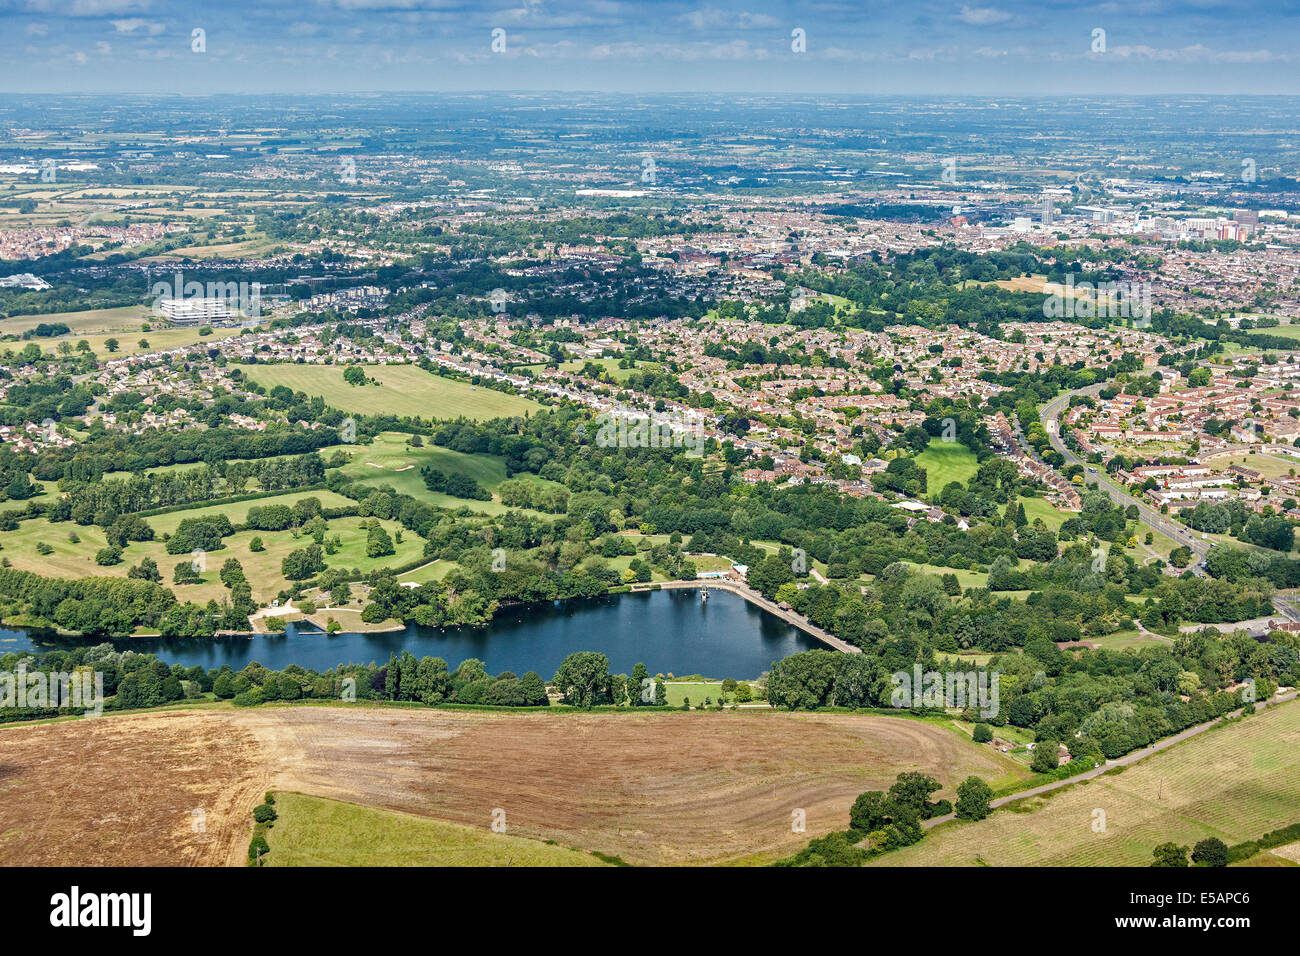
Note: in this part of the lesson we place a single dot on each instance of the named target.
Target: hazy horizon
(935, 47)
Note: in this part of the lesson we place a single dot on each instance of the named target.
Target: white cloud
(982, 16)
(88, 8)
(1196, 53)
(136, 25)
(713, 18)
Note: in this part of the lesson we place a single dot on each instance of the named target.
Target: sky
(982, 47)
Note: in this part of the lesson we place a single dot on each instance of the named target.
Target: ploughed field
(665, 788)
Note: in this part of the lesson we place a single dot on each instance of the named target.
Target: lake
(669, 631)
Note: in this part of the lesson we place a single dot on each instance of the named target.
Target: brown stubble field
(653, 789)
(121, 790)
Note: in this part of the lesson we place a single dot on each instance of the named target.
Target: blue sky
(994, 47)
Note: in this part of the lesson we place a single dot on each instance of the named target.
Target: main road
(1181, 534)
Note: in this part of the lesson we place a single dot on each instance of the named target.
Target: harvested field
(121, 790)
(654, 788)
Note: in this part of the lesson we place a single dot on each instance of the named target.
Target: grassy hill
(402, 390)
(389, 460)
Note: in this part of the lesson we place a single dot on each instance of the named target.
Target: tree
(1169, 855)
(983, 733)
(1046, 757)
(912, 789)
(534, 690)
(111, 344)
(20, 487)
(146, 570)
(769, 575)
(1210, 852)
(973, 796)
(378, 543)
(869, 812)
(232, 573)
(636, 685)
(354, 375)
(583, 678)
(258, 848)
(256, 545)
(303, 563)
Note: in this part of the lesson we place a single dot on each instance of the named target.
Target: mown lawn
(1039, 508)
(945, 462)
(389, 460)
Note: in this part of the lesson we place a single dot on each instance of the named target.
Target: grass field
(1270, 466)
(610, 365)
(1236, 783)
(1033, 283)
(97, 326)
(389, 460)
(313, 831)
(1124, 639)
(403, 390)
(262, 569)
(392, 461)
(967, 579)
(1039, 508)
(679, 691)
(944, 462)
(433, 571)
(1291, 331)
(124, 319)
(241, 248)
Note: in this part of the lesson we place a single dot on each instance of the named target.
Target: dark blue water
(668, 631)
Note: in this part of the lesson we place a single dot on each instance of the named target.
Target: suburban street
(1179, 533)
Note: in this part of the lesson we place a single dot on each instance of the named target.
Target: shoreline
(744, 591)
